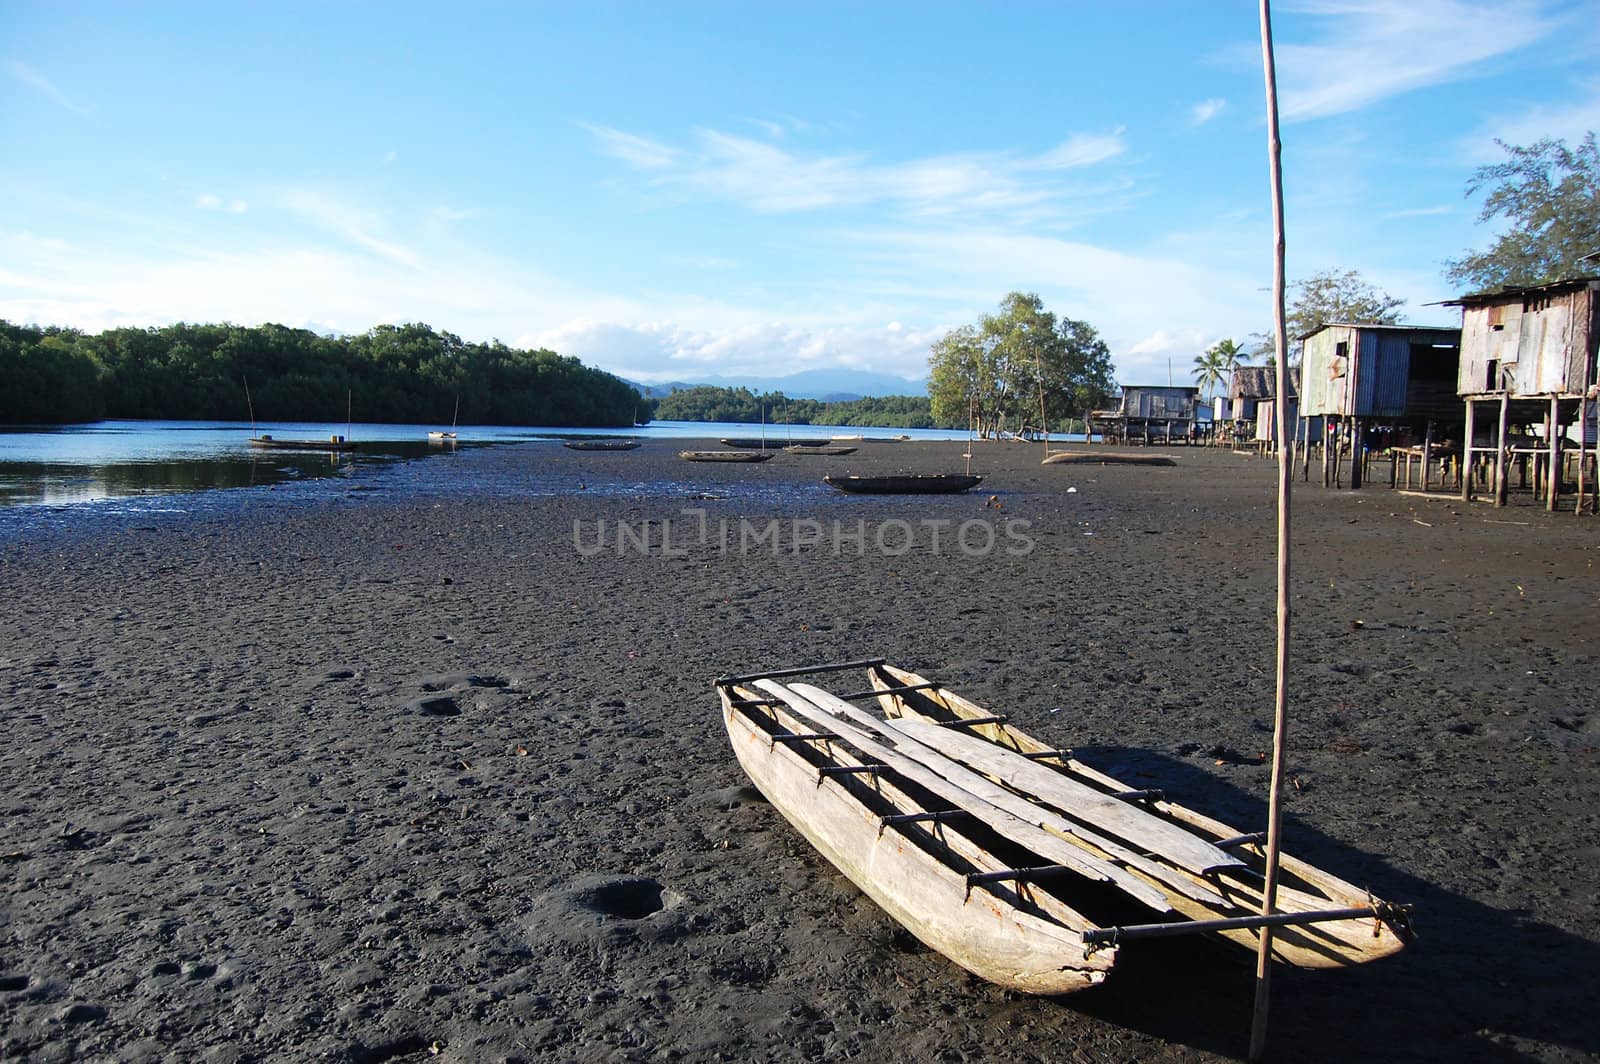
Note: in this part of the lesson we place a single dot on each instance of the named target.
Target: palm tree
(1216, 366)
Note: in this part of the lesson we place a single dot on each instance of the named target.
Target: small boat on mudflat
(755, 444)
(1106, 458)
(332, 443)
(828, 451)
(906, 484)
(902, 835)
(726, 456)
(1173, 848)
(1010, 857)
(602, 445)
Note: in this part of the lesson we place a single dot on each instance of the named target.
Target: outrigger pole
(1280, 718)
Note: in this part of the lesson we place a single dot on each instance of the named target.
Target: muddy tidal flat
(428, 763)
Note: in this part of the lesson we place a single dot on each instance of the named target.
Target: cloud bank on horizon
(816, 196)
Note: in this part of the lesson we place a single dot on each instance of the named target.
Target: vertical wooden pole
(1552, 487)
(1466, 456)
(1358, 453)
(1280, 714)
(1305, 448)
(1327, 449)
(1500, 444)
(1427, 457)
(1583, 450)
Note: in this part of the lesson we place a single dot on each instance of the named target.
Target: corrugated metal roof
(1510, 292)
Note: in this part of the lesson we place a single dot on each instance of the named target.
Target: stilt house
(1151, 414)
(1528, 355)
(1396, 379)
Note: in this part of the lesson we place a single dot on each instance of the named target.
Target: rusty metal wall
(1544, 343)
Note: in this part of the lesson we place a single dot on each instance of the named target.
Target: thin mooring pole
(1280, 716)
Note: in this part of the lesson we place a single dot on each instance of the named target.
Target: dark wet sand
(386, 772)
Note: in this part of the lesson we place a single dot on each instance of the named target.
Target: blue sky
(680, 190)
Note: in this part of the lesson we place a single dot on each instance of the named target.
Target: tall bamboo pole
(1280, 716)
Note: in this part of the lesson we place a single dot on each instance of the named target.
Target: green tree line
(405, 374)
(742, 406)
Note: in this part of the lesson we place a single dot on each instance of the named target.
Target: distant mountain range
(828, 385)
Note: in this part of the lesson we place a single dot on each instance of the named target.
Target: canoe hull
(270, 444)
(906, 484)
(977, 929)
(1335, 944)
(726, 456)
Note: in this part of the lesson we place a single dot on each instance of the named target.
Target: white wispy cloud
(1568, 120)
(1422, 212)
(765, 177)
(210, 202)
(42, 85)
(641, 152)
(1206, 110)
(1370, 50)
(358, 225)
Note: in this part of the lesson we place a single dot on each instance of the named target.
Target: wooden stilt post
(1327, 449)
(1501, 450)
(1583, 449)
(1280, 715)
(1466, 456)
(1553, 478)
(1305, 448)
(1427, 457)
(1358, 453)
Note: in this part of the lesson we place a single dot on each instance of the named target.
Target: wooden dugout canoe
(905, 484)
(811, 766)
(821, 450)
(1106, 458)
(602, 445)
(332, 443)
(1237, 889)
(726, 456)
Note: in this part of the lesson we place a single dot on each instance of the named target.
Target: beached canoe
(332, 443)
(601, 445)
(830, 451)
(906, 484)
(1107, 458)
(756, 444)
(726, 456)
(441, 435)
(927, 851)
(1183, 869)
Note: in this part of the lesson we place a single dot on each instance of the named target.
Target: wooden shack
(1396, 379)
(1530, 353)
(1150, 414)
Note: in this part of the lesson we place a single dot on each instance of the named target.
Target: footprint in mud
(444, 695)
(608, 908)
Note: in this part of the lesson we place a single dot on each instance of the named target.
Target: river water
(112, 463)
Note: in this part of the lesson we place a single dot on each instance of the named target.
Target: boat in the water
(332, 443)
(1106, 458)
(602, 445)
(1009, 856)
(440, 436)
(906, 484)
(726, 456)
(824, 451)
(1181, 861)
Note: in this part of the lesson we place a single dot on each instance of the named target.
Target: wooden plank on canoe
(1100, 810)
(999, 818)
(1185, 886)
(1177, 881)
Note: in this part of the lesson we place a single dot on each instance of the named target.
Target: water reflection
(66, 482)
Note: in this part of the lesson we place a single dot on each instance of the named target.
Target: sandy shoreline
(361, 773)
